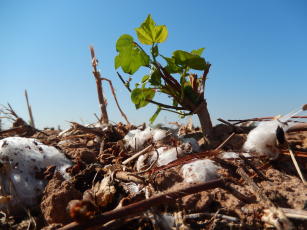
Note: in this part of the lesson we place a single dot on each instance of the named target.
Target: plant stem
(204, 119)
(102, 103)
(29, 110)
(113, 92)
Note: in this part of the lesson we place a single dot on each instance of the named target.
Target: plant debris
(121, 176)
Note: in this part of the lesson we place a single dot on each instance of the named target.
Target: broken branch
(102, 103)
(141, 206)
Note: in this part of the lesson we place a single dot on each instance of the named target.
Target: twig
(249, 163)
(206, 214)
(127, 176)
(283, 141)
(96, 117)
(297, 167)
(29, 110)
(124, 82)
(113, 92)
(153, 164)
(141, 206)
(238, 121)
(236, 128)
(295, 214)
(102, 102)
(225, 141)
(137, 154)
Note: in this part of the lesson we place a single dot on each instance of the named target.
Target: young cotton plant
(175, 79)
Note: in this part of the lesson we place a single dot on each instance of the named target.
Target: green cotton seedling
(187, 93)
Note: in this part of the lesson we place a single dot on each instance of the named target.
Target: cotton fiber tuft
(136, 138)
(199, 171)
(23, 161)
(229, 155)
(263, 140)
(165, 156)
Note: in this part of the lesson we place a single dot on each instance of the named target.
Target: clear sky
(258, 52)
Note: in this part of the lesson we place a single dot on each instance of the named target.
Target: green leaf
(171, 65)
(140, 96)
(198, 51)
(187, 59)
(155, 115)
(145, 78)
(117, 62)
(155, 78)
(131, 57)
(123, 42)
(148, 33)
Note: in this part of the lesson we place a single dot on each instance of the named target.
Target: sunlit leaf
(148, 33)
(130, 56)
(198, 51)
(155, 115)
(171, 65)
(155, 78)
(189, 60)
(140, 96)
(145, 78)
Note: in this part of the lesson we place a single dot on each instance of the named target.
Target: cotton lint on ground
(263, 140)
(23, 161)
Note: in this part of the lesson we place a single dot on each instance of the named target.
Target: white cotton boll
(22, 161)
(228, 155)
(262, 139)
(167, 155)
(199, 171)
(130, 138)
(159, 134)
(136, 138)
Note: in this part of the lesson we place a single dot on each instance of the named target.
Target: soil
(97, 154)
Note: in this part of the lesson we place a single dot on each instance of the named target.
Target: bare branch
(29, 110)
(141, 206)
(102, 103)
(113, 92)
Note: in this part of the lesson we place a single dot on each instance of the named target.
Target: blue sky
(258, 52)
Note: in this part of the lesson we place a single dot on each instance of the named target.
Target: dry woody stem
(29, 110)
(102, 102)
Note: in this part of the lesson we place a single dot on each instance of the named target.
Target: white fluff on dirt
(199, 171)
(23, 161)
(166, 156)
(136, 138)
(229, 155)
(262, 139)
